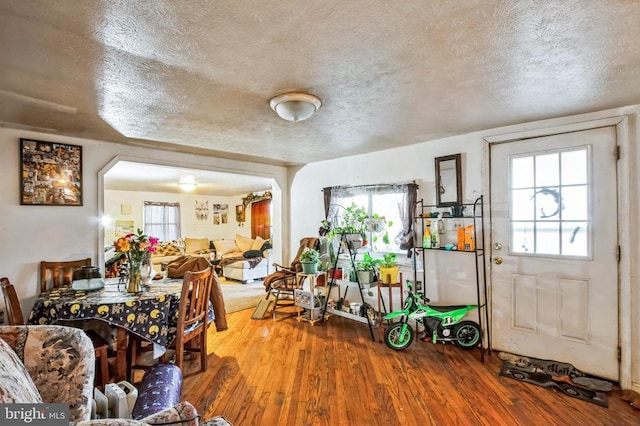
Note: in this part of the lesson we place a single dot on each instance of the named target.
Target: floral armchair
(56, 364)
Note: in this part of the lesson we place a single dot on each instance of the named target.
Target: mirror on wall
(448, 180)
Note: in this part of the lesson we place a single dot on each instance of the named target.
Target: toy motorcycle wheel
(396, 339)
(467, 334)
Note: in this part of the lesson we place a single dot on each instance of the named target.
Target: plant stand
(335, 283)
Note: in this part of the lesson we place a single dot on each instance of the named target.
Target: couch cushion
(194, 245)
(16, 385)
(243, 243)
(166, 249)
(226, 246)
(257, 243)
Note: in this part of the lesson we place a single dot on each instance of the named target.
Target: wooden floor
(286, 372)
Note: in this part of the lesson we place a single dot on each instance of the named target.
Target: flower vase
(134, 278)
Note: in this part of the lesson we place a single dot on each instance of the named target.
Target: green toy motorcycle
(441, 323)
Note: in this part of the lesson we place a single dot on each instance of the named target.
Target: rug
(238, 297)
(556, 375)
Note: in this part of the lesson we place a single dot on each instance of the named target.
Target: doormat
(556, 375)
(261, 309)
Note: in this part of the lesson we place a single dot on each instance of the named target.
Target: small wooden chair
(59, 273)
(11, 303)
(193, 315)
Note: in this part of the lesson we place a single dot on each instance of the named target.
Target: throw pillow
(225, 246)
(243, 243)
(192, 245)
(16, 386)
(257, 243)
(251, 253)
(266, 245)
(166, 249)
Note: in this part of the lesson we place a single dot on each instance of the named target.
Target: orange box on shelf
(469, 243)
(460, 238)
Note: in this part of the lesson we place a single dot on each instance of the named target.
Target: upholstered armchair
(51, 364)
(56, 364)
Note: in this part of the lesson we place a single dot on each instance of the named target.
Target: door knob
(497, 260)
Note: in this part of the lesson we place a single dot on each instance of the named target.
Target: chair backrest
(307, 242)
(194, 300)
(11, 303)
(57, 274)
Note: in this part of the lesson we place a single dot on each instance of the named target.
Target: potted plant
(309, 260)
(389, 268)
(353, 226)
(365, 268)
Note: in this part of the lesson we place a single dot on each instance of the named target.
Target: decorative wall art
(124, 227)
(50, 173)
(240, 218)
(202, 211)
(220, 214)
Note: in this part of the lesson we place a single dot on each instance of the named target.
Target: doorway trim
(277, 200)
(621, 122)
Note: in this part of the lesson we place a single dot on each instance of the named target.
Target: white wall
(190, 227)
(451, 276)
(30, 234)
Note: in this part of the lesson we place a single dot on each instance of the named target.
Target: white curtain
(162, 220)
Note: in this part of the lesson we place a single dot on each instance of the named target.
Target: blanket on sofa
(181, 265)
(253, 261)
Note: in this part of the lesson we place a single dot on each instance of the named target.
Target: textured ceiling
(198, 75)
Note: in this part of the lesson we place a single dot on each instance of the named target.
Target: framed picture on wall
(124, 227)
(50, 173)
(240, 213)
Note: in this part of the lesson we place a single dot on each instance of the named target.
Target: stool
(391, 286)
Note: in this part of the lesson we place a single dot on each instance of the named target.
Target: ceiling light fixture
(187, 184)
(295, 106)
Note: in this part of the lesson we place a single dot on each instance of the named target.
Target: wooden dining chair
(59, 273)
(11, 303)
(193, 316)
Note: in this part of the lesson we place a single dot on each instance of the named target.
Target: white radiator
(116, 402)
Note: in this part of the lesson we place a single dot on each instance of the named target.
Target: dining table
(150, 314)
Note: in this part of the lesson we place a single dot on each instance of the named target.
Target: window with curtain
(162, 220)
(261, 219)
(395, 202)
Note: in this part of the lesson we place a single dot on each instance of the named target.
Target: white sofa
(243, 259)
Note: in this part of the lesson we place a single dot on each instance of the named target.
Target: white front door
(554, 270)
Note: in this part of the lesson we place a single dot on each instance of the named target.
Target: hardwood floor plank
(287, 372)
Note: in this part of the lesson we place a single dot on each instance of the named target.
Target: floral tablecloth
(151, 314)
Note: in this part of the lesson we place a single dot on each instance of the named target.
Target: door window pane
(574, 167)
(522, 206)
(575, 239)
(575, 202)
(547, 170)
(522, 237)
(548, 203)
(522, 172)
(548, 238)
